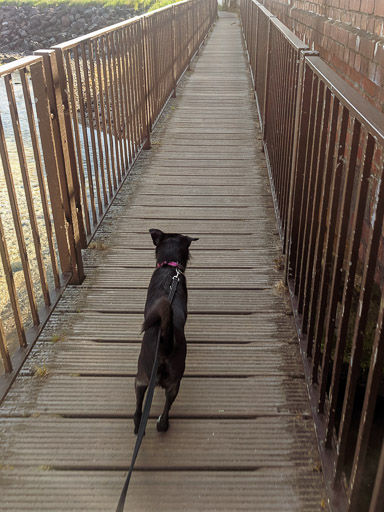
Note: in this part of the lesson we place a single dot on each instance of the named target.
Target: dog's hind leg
(170, 395)
(140, 392)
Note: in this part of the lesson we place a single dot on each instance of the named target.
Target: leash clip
(176, 276)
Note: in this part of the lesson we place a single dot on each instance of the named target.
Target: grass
(162, 3)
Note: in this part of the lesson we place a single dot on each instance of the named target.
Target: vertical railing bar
(360, 326)
(64, 147)
(127, 112)
(112, 79)
(117, 104)
(134, 69)
(27, 188)
(282, 139)
(331, 223)
(79, 83)
(307, 144)
(312, 160)
(109, 109)
(174, 58)
(298, 164)
(291, 86)
(317, 207)
(339, 249)
(377, 499)
(313, 301)
(96, 109)
(7, 269)
(121, 96)
(145, 84)
(367, 412)
(40, 177)
(17, 225)
(281, 117)
(65, 209)
(353, 258)
(90, 115)
(77, 141)
(103, 119)
(267, 78)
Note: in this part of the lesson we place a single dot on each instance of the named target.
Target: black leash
(148, 402)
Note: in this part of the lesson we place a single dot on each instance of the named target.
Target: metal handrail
(324, 145)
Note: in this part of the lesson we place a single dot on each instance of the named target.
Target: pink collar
(171, 264)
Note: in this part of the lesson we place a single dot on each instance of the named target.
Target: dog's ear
(157, 236)
(190, 240)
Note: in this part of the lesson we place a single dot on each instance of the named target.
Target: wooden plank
(213, 279)
(198, 398)
(110, 327)
(200, 259)
(271, 489)
(143, 241)
(123, 300)
(120, 359)
(66, 443)
(181, 212)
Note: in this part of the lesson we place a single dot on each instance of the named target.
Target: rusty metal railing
(324, 147)
(73, 120)
(38, 232)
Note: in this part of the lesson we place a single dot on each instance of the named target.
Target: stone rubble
(26, 28)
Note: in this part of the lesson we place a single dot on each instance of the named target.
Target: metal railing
(73, 120)
(324, 147)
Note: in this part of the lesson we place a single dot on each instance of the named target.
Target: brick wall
(349, 34)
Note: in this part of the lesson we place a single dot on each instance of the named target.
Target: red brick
(379, 76)
(369, 87)
(367, 48)
(367, 6)
(379, 28)
(351, 60)
(379, 8)
(364, 67)
(371, 71)
(352, 41)
(354, 5)
(371, 25)
(379, 54)
(342, 36)
(363, 22)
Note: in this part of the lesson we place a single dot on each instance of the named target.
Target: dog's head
(171, 246)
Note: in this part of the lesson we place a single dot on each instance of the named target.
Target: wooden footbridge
(242, 435)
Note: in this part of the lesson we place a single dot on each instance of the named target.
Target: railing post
(267, 79)
(174, 51)
(146, 78)
(289, 244)
(66, 209)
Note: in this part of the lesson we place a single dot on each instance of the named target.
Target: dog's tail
(161, 312)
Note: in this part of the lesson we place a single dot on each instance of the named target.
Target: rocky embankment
(26, 28)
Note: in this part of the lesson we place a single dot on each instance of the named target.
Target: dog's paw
(162, 424)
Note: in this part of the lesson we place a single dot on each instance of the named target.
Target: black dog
(172, 255)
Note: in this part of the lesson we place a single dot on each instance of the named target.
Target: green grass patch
(163, 3)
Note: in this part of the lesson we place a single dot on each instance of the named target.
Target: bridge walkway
(241, 436)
